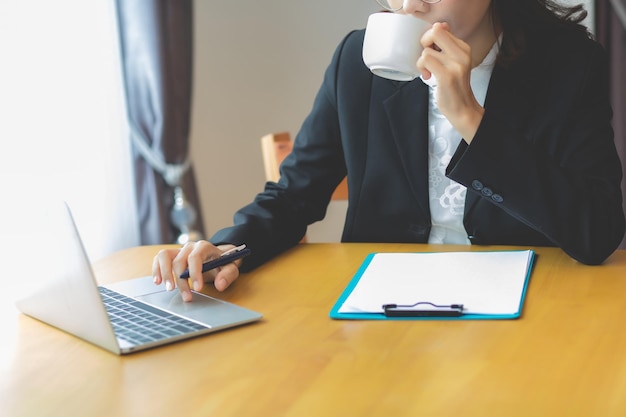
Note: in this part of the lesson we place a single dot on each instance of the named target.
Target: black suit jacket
(542, 169)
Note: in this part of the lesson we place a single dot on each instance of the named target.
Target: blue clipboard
(337, 315)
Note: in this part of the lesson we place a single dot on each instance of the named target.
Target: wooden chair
(275, 147)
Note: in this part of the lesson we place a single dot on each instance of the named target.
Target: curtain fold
(156, 42)
(611, 33)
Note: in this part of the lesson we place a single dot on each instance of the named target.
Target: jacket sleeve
(278, 217)
(560, 173)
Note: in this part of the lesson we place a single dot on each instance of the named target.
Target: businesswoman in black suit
(505, 139)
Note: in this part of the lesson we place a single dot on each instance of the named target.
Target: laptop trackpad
(207, 310)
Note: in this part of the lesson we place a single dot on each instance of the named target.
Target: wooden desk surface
(566, 356)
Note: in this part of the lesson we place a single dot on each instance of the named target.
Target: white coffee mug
(392, 45)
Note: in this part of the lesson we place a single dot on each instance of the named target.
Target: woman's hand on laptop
(169, 264)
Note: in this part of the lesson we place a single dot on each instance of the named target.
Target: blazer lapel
(407, 112)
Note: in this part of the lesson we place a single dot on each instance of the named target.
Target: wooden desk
(566, 356)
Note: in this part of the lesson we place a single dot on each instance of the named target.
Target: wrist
(467, 125)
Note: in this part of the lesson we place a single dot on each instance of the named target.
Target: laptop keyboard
(139, 323)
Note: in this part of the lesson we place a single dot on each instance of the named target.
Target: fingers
(162, 268)
(443, 53)
(169, 264)
(449, 59)
(191, 257)
(438, 36)
(225, 276)
(156, 269)
(166, 268)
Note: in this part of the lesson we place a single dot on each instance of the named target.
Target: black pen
(226, 258)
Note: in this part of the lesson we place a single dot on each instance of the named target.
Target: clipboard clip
(423, 309)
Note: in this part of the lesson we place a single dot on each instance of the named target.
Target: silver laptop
(124, 317)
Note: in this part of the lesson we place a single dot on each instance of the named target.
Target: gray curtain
(156, 40)
(611, 32)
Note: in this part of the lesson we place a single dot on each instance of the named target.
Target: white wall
(258, 66)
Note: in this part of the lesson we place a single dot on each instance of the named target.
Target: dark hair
(520, 19)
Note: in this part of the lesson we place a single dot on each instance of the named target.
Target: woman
(504, 140)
